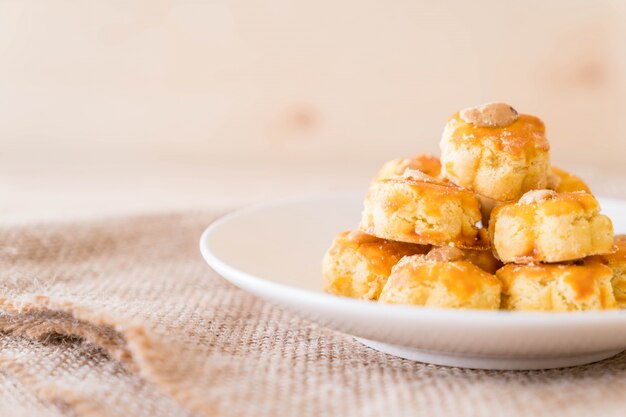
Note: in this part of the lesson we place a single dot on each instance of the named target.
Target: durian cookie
(495, 151)
(357, 265)
(417, 208)
(556, 287)
(442, 278)
(545, 226)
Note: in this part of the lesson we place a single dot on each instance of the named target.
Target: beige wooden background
(132, 105)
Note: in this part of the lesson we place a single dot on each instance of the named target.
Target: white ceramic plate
(275, 251)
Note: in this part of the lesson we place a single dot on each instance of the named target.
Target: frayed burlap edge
(36, 317)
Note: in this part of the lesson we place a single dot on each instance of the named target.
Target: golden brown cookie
(545, 226)
(495, 151)
(562, 181)
(617, 262)
(441, 279)
(357, 265)
(420, 209)
(541, 287)
(427, 163)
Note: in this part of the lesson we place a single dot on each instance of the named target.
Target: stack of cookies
(492, 225)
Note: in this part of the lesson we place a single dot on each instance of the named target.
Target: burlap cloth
(124, 318)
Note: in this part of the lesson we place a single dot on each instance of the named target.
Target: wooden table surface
(151, 105)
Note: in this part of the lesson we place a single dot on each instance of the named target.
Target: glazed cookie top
(550, 203)
(580, 279)
(427, 163)
(380, 254)
(500, 127)
(432, 190)
(459, 277)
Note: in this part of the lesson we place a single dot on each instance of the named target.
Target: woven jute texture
(123, 318)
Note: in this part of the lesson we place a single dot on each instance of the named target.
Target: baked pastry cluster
(492, 225)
